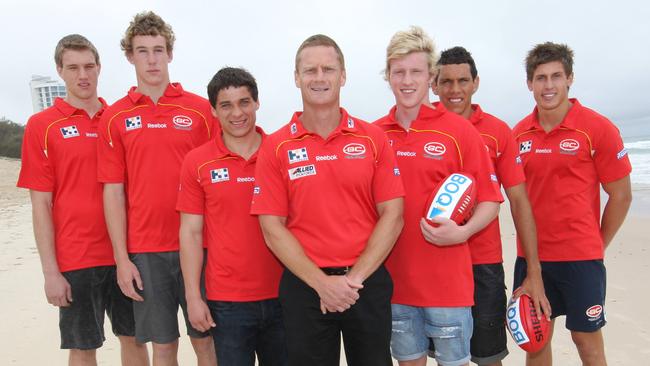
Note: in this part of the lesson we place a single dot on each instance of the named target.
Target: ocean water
(639, 151)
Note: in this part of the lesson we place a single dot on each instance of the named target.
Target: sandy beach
(30, 335)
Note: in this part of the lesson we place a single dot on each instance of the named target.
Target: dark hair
(456, 56)
(231, 77)
(320, 40)
(544, 53)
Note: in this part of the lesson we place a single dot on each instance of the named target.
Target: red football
(529, 332)
(453, 198)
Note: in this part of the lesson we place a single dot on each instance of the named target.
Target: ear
(570, 80)
(257, 105)
(99, 69)
(214, 112)
(530, 84)
(296, 79)
(343, 76)
(171, 56)
(477, 81)
(59, 70)
(129, 56)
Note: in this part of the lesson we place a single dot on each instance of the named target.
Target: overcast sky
(610, 40)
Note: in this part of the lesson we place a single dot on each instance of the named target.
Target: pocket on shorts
(402, 319)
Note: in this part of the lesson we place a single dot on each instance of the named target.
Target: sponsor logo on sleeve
(182, 122)
(294, 128)
(297, 155)
(69, 131)
(621, 154)
(518, 160)
(396, 172)
(133, 123)
(525, 146)
(493, 177)
(257, 190)
(350, 123)
(302, 171)
(219, 175)
(354, 150)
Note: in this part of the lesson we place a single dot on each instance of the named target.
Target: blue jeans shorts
(448, 328)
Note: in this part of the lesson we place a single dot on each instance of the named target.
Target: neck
(152, 91)
(549, 118)
(321, 120)
(244, 146)
(405, 116)
(91, 105)
(467, 113)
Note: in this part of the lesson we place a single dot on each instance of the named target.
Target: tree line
(11, 138)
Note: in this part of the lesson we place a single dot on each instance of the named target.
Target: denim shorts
(449, 329)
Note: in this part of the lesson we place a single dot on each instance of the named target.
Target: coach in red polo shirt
(328, 193)
(569, 152)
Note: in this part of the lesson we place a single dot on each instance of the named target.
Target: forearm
(380, 243)
(522, 216)
(613, 216)
(484, 213)
(191, 256)
(43, 225)
(115, 215)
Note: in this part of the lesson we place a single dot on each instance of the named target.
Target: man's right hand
(57, 290)
(127, 272)
(199, 314)
(336, 294)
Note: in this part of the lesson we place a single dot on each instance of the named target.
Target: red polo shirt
(485, 245)
(59, 155)
(218, 184)
(142, 145)
(425, 274)
(564, 169)
(327, 189)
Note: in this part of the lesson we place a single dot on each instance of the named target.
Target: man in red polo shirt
(59, 165)
(431, 266)
(242, 275)
(328, 195)
(568, 152)
(456, 82)
(143, 140)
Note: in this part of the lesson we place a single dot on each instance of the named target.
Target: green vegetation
(11, 138)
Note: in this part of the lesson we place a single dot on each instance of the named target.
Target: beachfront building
(44, 91)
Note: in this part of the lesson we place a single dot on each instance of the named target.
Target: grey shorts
(156, 318)
(94, 292)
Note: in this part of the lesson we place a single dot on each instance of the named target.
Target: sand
(29, 332)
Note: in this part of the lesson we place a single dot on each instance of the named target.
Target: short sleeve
(509, 168)
(387, 182)
(610, 156)
(36, 171)
(191, 197)
(270, 195)
(476, 161)
(111, 159)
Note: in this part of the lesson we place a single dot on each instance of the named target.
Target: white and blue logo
(219, 175)
(525, 146)
(396, 172)
(448, 196)
(133, 123)
(298, 155)
(69, 131)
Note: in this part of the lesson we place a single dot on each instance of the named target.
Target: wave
(638, 146)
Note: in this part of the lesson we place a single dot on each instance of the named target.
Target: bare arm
(115, 215)
(522, 216)
(334, 291)
(57, 289)
(618, 203)
(191, 254)
(449, 233)
(381, 240)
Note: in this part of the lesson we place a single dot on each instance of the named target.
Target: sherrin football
(453, 198)
(529, 332)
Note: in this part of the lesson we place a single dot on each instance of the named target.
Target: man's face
(236, 111)
(409, 79)
(455, 88)
(151, 59)
(319, 76)
(80, 73)
(550, 85)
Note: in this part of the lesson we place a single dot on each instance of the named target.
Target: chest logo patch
(354, 149)
(302, 171)
(219, 175)
(569, 145)
(133, 123)
(525, 146)
(297, 155)
(69, 131)
(182, 122)
(434, 148)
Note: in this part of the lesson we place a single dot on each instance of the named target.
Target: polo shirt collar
(68, 109)
(425, 112)
(172, 90)
(569, 120)
(223, 152)
(346, 124)
(477, 114)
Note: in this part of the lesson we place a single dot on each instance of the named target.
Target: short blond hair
(403, 43)
(75, 42)
(147, 23)
(320, 40)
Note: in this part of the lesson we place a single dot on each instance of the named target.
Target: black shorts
(156, 317)
(489, 342)
(94, 292)
(575, 289)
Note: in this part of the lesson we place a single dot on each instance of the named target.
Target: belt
(336, 271)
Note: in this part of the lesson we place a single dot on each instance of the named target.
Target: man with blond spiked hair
(431, 266)
(143, 140)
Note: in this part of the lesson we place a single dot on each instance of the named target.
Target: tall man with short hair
(144, 138)
(431, 266)
(457, 80)
(242, 275)
(568, 152)
(329, 199)
(59, 166)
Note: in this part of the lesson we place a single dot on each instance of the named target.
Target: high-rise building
(44, 91)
